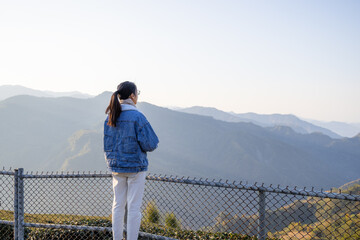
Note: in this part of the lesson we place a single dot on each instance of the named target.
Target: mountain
(263, 120)
(7, 91)
(341, 128)
(289, 120)
(66, 133)
(34, 129)
(216, 114)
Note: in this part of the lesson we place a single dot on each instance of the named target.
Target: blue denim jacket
(125, 145)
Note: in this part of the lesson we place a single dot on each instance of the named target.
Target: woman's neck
(127, 101)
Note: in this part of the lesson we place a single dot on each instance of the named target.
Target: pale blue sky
(299, 57)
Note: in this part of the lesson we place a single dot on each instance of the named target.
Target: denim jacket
(125, 145)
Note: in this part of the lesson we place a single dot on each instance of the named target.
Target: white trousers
(128, 188)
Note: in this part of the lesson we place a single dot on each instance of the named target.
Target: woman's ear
(133, 98)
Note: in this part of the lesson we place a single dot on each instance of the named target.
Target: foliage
(346, 227)
(151, 213)
(353, 189)
(171, 221)
(332, 209)
(6, 232)
(192, 235)
(335, 219)
(171, 229)
(60, 234)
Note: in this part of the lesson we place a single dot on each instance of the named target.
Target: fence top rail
(259, 188)
(210, 183)
(4, 172)
(67, 175)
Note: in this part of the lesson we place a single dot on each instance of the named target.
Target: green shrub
(192, 235)
(151, 213)
(172, 229)
(60, 234)
(171, 221)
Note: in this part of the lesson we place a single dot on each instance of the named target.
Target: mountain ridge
(66, 133)
(336, 129)
(264, 120)
(341, 128)
(7, 91)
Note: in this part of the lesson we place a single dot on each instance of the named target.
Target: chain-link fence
(6, 205)
(78, 206)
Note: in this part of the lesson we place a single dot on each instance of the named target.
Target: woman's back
(126, 144)
(127, 137)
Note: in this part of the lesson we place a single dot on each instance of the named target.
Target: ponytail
(124, 90)
(114, 109)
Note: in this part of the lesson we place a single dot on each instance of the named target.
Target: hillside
(350, 185)
(35, 129)
(66, 133)
(308, 216)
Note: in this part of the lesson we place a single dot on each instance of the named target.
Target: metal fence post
(21, 204)
(16, 203)
(261, 229)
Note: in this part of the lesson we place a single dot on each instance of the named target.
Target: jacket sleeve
(147, 138)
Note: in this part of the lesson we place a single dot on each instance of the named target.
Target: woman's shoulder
(141, 117)
(134, 115)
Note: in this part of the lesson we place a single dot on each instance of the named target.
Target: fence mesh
(179, 208)
(6, 205)
(67, 200)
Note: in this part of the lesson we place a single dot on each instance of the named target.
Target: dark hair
(124, 90)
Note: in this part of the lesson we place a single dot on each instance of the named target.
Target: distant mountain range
(344, 129)
(263, 120)
(7, 91)
(332, 129)
(66, 134)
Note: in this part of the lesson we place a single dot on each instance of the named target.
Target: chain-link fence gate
(78, 206)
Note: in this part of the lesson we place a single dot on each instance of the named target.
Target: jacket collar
(126, 107)
(127, 101)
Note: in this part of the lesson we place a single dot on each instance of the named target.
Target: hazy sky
(299, 57)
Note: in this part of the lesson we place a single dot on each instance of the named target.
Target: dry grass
(49, 218)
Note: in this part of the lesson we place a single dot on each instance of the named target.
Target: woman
(127, 137)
